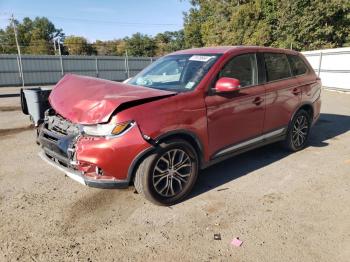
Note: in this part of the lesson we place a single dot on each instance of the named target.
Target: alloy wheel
(172, 172)
(300, 131)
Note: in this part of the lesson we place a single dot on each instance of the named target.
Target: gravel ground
(285, 207)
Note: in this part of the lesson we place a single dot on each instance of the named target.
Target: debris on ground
(217, 237)
(222, 189)
(236, 242)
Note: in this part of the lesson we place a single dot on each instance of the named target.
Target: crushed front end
(101, 162)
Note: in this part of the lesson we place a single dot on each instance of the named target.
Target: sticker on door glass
(200, 58)
(189, 85)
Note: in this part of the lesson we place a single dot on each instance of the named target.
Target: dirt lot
(285, 207)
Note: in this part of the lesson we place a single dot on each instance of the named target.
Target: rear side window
(243, 68)
(297, 65)
(277, 66)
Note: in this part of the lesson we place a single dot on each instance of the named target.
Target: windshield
(175, 72)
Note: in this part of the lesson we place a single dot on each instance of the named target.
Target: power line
(112, 22)
(50, 44)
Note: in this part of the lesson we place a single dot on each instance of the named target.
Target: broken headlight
(108, 130)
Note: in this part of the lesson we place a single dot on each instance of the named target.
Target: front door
(234, 119)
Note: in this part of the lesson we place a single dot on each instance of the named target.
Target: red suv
(188, 110)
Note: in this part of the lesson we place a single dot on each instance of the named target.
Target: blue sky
(105, 19)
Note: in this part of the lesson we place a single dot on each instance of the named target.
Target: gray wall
(47, 69)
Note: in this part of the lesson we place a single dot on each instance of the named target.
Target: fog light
(98, 171)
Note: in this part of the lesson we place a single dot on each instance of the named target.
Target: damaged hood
(88, 100)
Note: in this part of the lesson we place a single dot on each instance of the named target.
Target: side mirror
(226, 85)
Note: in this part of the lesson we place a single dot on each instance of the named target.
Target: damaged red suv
(188, 110)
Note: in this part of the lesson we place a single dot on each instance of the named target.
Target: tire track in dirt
(10, 108)
(14, 131)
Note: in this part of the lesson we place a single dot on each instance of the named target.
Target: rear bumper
(317, 110)
(80, 178)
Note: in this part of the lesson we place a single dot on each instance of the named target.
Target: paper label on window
(189, 85)
(200, 58)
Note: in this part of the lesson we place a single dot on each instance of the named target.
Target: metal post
(319, 64)
(54, 46)
(127, 64)
(60, 54)
(96, 64)
(20, 66)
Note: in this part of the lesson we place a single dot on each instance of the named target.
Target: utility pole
(127, 64)
(60, 54)
(12, 19)
(54, 46)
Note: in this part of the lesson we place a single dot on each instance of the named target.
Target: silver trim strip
(251, 141)
(73, 175)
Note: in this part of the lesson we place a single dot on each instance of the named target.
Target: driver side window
(243, 68)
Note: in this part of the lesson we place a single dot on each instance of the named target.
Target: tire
(168, 174)
(298, 131)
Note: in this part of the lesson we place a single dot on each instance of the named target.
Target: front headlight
(108, 129)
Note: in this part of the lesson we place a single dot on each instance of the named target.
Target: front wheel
(167, 175)
(298, 132)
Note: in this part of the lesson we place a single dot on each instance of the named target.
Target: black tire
(149, 180)
(298, 131)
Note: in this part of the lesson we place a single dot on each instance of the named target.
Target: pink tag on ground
(236, 242)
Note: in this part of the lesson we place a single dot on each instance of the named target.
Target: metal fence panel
(9, 72)
(332, 65)
(42, 69)
(47, 69)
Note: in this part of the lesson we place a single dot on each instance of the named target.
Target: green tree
(309, 25)
(169, 42)
(78, 45)
(34, 36)
(303, 24)
(140, 45)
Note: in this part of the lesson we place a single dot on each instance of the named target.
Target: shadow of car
(328, 126)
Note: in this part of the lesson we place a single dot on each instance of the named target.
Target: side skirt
(269, 138)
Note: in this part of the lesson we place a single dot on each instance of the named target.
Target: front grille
(57, 138)
(63, 161)
(60, 125)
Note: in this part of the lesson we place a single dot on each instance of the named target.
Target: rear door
(283, 92)
(309, 84)
(236, 117)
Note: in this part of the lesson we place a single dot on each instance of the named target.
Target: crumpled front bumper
(103, 162)
(79, 176)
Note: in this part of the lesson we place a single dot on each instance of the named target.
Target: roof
(227, 49)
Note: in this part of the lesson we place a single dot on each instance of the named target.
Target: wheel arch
(188, 136)
(307, 106)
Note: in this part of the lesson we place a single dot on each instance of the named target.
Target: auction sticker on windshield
(200, 58)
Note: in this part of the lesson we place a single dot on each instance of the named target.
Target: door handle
(296, 91)
(258, 100)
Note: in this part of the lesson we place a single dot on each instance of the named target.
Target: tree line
(297, 24)
(40, 36)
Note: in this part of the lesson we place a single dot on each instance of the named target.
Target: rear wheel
(298, 132)
(167, 175)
